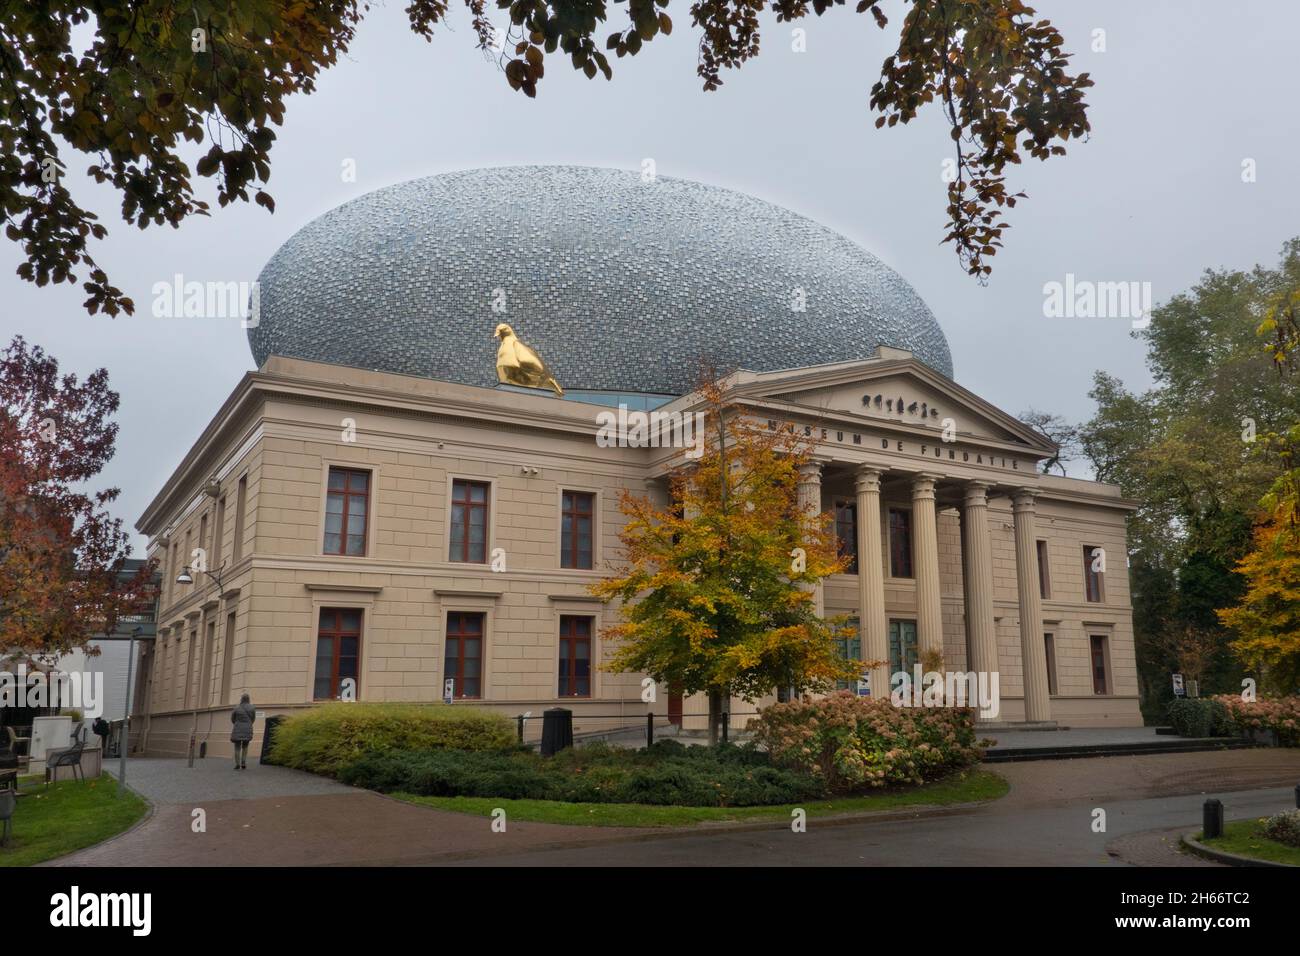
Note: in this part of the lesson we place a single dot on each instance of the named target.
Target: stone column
(872, 628)
(925, 561)
(810, 504)
(978, 552)
(1033, 654)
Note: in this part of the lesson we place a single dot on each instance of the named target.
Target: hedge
(326, 738)
(1199, 717)
(666, 774)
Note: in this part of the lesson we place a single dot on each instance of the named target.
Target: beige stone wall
(1068, 615)
(405, 585)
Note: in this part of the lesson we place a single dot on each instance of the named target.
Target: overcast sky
(1186, 91)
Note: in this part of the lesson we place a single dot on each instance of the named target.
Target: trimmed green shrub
(1199, 717)
(325, 738)
(854, 743)
(1284, 827)
(665, 774)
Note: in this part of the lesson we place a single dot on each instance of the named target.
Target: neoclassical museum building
(398, 501)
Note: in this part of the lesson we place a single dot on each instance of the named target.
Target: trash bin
(557, 730)
(268, 736)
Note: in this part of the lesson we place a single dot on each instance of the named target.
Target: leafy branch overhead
(158, 81)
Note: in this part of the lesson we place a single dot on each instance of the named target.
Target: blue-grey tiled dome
(620, 284)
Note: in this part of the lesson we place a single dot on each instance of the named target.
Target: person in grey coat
(241, 730)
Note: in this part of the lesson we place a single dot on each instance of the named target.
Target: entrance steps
(1051, 750)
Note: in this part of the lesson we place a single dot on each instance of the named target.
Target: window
(1100, 681)
(338, 652)
(174, 684)
(900, 543)
(850, 648)
(227, 660)
(189, 668)
(577, 509)
(902, 647)
(218, 533)
(1050, 644)
(469, 518)
(175, 570)
(204, 697)
(347, 503)
(575, 656)
(203, 539)
(188, 559)
(1044, 582)
(846, 532)
(463, 658)
(1092, 573)
(241, 495)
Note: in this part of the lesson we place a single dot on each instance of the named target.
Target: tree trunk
(715, 716)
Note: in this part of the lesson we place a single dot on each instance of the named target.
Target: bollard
(650, 733)
(1212, 819)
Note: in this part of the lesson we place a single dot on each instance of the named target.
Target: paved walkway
(165, 780)
(269, 816)
(273, 816)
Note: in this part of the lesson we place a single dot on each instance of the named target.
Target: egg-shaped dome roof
(619, 283)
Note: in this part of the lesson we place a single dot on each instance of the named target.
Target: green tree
(158, 81)
(716, 595)
(1191, 451)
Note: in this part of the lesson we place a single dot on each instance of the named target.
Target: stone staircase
(1050, 750)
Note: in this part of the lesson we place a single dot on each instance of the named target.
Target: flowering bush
(1280, 714)
(853, 743)
(1284, 827)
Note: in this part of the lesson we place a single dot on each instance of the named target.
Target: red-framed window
(1097, 650)
(900, 543)
(338, 652)
(1049, 642)
(577, 514)
(1044, 576)
(469, 521)
(846, 533)
(463, 656)
(1092, 578)
(575, 655)
(347, 509)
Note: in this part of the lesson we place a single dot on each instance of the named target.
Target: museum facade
(395, 506)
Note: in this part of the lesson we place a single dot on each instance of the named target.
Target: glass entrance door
(902, 646)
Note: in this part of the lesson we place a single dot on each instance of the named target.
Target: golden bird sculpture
(517, 364)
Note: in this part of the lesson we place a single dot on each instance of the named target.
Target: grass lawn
(965, 787)
(67, 816)
(1246, 838)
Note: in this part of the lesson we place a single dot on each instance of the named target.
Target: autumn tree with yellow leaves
(717, 588)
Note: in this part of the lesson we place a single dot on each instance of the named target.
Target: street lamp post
(186, 578)
(126, 716)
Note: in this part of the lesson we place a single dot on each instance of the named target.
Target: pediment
(899, 392)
